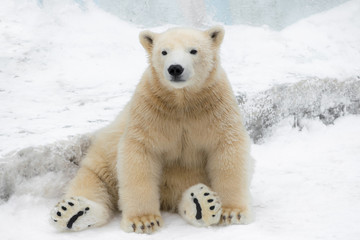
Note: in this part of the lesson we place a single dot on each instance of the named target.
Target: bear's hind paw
(74, 214)
(200, 206)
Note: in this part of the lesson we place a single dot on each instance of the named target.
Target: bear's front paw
(73, 214)
(234, 216)
(200, 206)
(144, 224)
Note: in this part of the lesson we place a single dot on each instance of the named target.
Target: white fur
(182, 57)
(93, 215)
(188, 210)
(170, 137)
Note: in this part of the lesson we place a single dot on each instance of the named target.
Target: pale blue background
(276, 14)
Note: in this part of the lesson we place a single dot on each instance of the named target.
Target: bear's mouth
(177, 79)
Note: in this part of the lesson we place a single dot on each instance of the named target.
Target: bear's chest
(187, 144)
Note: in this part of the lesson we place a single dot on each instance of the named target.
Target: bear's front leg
(139, 200)
(230, 170)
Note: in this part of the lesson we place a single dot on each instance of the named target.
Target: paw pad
(67, 214)
(200, 206)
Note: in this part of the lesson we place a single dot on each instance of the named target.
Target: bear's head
(183, 57)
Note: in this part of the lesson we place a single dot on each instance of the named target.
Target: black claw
(239, 216)
(142, 227)
(134, 227)
(192, 194)
(63, 208)
(55, 220)
(59, 214)
(87, 209)
(152, 224)
(158, 223)
(206, 194)
(210, 200)
(230, 217)
(212, 207)
(224, 218)
(71, 204)
(148, 226)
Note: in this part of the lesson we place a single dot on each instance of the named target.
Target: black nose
(175, 70)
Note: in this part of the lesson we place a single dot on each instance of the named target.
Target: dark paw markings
(210, 200)
(142, 227)
(74, 218)
(198, 209)
(64, 209)
(198, 206)
(224, 217)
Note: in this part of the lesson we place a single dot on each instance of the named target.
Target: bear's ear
(147, 39)
(216, 34)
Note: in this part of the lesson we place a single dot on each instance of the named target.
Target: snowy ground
(306, 186)
(66, 71)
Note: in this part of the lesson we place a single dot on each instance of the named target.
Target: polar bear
(178, 145)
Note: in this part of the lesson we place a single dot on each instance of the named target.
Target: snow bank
(41, 170)
(323, 99)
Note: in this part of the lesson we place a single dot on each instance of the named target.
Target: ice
(276, 14)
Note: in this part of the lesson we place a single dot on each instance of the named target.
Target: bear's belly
(175, 180)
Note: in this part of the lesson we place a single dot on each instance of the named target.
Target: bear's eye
(193, 52)
(164, 52)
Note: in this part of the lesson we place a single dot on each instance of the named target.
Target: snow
(66, 71)
(306, 186)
